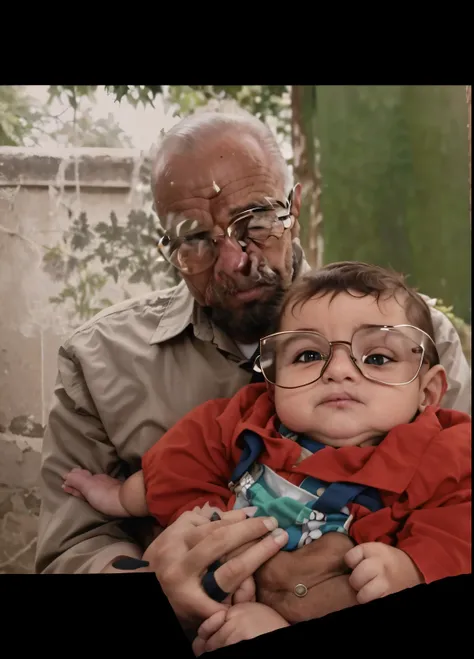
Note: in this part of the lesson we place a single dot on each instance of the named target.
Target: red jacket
(421, 469)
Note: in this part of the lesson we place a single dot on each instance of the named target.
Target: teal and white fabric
(294, 507)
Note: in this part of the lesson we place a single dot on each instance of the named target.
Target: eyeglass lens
(387, 355)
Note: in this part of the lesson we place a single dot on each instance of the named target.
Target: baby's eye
(308, 356)
(377, 360)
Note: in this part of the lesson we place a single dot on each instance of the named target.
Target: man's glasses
(391, 355)
(191, 250)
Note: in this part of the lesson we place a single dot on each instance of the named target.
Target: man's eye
(195, 238)
(263, 222)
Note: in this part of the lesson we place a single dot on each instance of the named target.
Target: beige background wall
(36, 190)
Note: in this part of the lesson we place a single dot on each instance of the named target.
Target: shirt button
(320, 491)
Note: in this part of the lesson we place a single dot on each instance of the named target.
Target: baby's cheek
(292, 409)
(398, 406)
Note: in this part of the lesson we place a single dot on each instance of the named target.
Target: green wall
(394, 163)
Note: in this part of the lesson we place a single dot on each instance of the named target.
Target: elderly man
(222, 193)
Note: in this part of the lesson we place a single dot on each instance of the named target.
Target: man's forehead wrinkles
(188, 209)
(253, 189)
(188, 203)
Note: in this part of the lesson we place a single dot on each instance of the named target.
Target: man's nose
(340, 367)
(232, 258)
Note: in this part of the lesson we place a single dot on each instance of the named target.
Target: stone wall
(37, 189)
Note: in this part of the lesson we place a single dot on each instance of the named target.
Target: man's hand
(183, 552)
(240, 623)
(320, 567)
(379, 570)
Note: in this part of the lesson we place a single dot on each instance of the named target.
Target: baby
(346, 436)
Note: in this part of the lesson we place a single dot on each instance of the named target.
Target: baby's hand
(239, 623)
(380, 570)
(102, 492)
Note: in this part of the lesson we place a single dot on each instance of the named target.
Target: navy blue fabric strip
(336, 496)
(253, 446)
(311, 484)
(311, 444)
(370, 499)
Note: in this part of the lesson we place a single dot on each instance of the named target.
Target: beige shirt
(124, 379)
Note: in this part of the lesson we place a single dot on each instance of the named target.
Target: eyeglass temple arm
(256, 365)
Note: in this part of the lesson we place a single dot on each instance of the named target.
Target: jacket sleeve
(458, 371)
(72, 537)
(437, 534)
(190, 465)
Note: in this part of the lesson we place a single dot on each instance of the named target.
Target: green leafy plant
(20, 117)
(25, 122)
(87, 131)
(91, 256)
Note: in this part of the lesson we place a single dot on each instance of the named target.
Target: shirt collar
(177, 314)
(180, 312)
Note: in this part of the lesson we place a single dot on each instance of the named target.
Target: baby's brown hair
(364, 279)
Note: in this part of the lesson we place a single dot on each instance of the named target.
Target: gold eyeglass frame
(283, 213)
(259, 369)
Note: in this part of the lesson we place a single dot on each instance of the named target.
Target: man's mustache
(260, 275)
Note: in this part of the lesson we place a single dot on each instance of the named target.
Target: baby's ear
(434, 385)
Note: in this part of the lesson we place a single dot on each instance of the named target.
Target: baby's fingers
(245, 592)
(199, 646)
(373, 590)
(73, 491)
(354, 556)
(210, 626)
(363, 573)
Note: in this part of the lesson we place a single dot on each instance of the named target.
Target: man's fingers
(207, 510)
(200, 517)
(239, 550)
(234, 572)
(190, 518)
(211, 625)
(202, 530)
(364, 572)
(196, 518)
(214, 541)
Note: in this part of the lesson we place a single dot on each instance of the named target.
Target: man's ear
(434, 385)
(295, 210)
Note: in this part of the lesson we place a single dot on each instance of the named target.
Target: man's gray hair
(191, 132)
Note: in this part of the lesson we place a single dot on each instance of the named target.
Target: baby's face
(373, 408)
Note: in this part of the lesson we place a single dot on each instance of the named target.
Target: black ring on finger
(211, 586)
